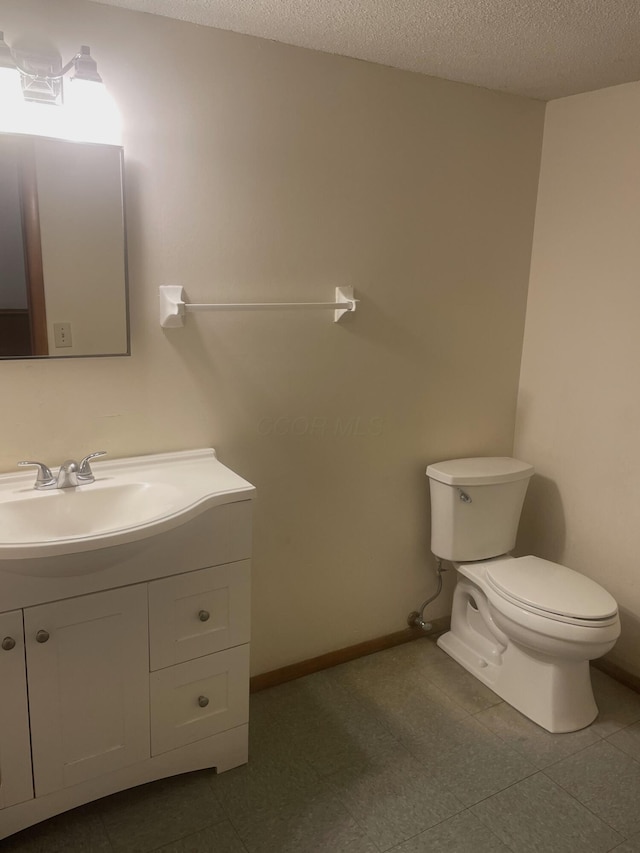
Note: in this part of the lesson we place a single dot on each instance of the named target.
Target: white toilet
(525, 627)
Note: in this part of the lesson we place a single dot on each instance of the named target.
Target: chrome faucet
(70, 474)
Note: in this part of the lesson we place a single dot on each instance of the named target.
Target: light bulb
(91, 113)
(11, 101)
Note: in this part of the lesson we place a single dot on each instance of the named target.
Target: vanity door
(15, 751)
(88, 675)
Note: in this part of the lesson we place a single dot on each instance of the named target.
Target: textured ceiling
(540, 48)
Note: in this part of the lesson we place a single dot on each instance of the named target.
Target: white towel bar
(173, 307)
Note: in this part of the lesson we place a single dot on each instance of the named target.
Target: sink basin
(131, 499)
(73, 513)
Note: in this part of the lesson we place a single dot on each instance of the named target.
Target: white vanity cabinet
(15, 750)
(126, 664)
(87, 671)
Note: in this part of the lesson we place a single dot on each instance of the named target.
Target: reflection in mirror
(63, 276)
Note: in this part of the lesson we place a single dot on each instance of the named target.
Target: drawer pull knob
(204, 615)
(42, 636)
(8, 643)
(203, 701)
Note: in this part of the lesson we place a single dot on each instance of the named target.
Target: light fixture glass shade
(6, 57)
(10, 83)
(85, 67)
(11, 101)
(91, 113)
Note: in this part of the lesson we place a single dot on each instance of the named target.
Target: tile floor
(401, 751)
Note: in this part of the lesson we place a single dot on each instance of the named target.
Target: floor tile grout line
(622, 751)
(465, 810)
(578, 802)
(418, 759)
(382, 720)
(196, 832)
(585, 805)
(522, 752)
(506, 788)
(388, 849)
(375, 715)
(534, 770)
(433, 685)
(571, 755)
(213, 823)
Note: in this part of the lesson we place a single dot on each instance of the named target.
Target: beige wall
(579, 403)
(258, 171)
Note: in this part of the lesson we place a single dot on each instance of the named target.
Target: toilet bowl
(535, 659)
(525, 627)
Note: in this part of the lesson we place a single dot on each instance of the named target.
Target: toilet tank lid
(479, 471)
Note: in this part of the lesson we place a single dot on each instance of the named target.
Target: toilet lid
(550, 587)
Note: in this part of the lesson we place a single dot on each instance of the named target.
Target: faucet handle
(85, 473)
(44, 478)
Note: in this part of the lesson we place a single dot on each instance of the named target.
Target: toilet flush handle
(464, 497)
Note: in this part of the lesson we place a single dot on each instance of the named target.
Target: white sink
(84, 511)
(131, 499)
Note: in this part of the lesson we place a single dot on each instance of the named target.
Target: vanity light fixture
(41, 76)
(6, 57)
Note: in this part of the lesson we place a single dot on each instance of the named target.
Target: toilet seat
(550, 590)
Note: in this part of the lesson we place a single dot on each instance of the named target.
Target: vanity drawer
(198, 613)
(194, 700)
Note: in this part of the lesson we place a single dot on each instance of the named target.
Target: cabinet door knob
(203, 701)
(204, 615)
(8, 643)
(42, 636)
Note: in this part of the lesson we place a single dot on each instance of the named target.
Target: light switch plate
(62, 334)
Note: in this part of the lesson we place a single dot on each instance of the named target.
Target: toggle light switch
(62, 334)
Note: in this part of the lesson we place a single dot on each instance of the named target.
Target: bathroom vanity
(125, 636)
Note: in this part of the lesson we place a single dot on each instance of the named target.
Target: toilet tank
(476, 505)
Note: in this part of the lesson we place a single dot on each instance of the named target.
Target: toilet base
(555, 694)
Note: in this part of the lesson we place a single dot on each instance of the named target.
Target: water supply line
(415, 618)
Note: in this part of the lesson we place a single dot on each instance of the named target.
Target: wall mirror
(63, 266)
